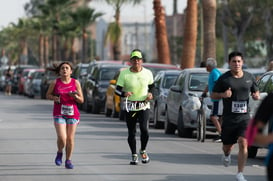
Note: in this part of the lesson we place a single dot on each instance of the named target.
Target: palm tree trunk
(190, 35)
(46, 50)
(41, 51)
(84, 47)
(209, 18)
(161, 34)
(74, 50)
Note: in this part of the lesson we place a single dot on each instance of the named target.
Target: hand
(128, 94)
(149, 96)
(227, 93)
(256, 95)
(73, 94)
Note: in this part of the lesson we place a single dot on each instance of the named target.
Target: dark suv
(46, 80)
(95, 86)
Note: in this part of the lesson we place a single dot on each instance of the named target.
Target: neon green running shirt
(136, 82)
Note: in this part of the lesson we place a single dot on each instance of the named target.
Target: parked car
(156, 67)
(17, 74)
(95, 86)
(265, 84)
(162, 82)
(79, 71)
(28, 80)
(183, 102)
(112, 101)
(46, 80)
(33, 87)
(23, 78)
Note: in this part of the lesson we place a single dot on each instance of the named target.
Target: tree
(190, 35)
(55, 10)
(163, 52)
(209, 35)
(83, 17)
(114, 30)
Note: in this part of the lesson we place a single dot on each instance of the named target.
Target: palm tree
(163, 52)
(55, 10)
(114, 30)
(22, 29)
(190, 35)
(83, 17)
(209, 36)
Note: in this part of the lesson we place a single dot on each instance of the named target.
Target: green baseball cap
(137, 54)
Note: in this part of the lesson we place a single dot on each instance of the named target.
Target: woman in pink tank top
(66, 92)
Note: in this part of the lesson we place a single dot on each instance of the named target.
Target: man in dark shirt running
(234, 87)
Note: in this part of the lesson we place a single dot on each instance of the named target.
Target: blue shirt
(213, 77)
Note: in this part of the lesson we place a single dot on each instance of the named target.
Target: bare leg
(61, 136)
(216, 123)
(242, 155)
(227, 149)
(71, 130)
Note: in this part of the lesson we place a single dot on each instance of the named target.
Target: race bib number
(239, 107)
(67, 110)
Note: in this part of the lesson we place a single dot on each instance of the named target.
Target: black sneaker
(134, 160)
(217, 139)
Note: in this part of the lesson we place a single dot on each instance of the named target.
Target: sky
(14, 9)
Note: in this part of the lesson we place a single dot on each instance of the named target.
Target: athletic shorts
(217, 108)
(65, 120)
(230, 134)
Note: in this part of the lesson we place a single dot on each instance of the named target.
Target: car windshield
(108, 74)
(198, 81)
(168, 81)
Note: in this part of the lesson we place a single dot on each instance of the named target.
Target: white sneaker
(240, 177)
(226, 160)
(134, 160)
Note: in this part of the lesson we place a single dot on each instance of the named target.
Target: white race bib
(239, 106)
(67, 110)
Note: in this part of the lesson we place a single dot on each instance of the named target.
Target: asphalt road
(28, 147)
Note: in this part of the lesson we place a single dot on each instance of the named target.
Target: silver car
(162, 82)
(183, 102)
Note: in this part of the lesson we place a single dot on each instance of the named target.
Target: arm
(78, 96)
(50, 95)
(220, 95)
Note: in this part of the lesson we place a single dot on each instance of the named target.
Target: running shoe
(68, 164)
(226, 160)
(58, 159)
(217, 139)
(144, 156)
(134, 160)
(240, 177)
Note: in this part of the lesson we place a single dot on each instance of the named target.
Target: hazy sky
(11, 10)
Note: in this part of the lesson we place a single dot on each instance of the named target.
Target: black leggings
(142, 117)
(269, 169)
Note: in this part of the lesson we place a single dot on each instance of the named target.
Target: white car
(265, 84)
(183, 102)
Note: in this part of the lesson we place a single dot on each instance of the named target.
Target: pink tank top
(67, 106)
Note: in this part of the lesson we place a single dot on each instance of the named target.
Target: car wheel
(252, 151)
(201, 126)
(169, 127)
(182, 131)
(157, 124)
